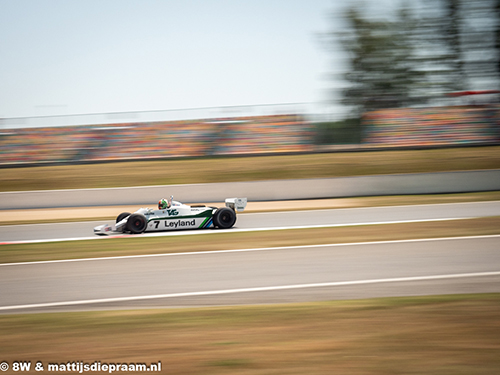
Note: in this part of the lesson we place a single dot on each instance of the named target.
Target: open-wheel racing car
(173, 215)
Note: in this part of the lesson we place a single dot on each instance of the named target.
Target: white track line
(232, 230)
(406, 206)
(247, 290)
(209, 252)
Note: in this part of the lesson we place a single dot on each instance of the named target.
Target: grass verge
(425, 335)
(232, 169)
(227, 240)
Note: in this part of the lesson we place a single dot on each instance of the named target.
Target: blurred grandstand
(474, 119)
(29, 142)
(435, 126)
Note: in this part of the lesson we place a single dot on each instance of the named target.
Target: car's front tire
(122, 216)
(137, 223)
(224, 218)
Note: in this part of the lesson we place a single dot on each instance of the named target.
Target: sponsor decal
(180, 223)
(173, 224)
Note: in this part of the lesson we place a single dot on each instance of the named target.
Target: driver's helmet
(163, 204)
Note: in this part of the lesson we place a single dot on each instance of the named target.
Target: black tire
(137, 223)
(224, 218)
(122, 216)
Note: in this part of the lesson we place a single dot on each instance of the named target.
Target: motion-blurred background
(362, 75)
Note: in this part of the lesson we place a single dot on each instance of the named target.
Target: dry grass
(427, 335)
(424, 335)
(229, 169)
(215, 240)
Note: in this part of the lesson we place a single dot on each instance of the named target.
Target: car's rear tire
(224, 218)
(122, 216)
(137, 223)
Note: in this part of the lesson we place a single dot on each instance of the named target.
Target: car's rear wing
(237, 204)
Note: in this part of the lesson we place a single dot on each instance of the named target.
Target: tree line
(420, 53)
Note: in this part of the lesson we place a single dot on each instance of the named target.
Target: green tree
(496, 14)
(459, 44)
(382, 71)
(479, 43)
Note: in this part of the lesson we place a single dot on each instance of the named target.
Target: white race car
(172, 215)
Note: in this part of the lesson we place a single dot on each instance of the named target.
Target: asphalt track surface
(274, 220)
(259, 276)
(255, 276)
